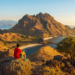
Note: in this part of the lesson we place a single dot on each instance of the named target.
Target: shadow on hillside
(3, 54)
(58, 57)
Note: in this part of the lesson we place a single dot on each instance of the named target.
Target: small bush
(5, 43)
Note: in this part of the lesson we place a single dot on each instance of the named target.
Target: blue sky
(62, 10)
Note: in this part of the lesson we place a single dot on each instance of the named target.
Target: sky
(62, 10)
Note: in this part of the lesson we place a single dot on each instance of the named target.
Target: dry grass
(46, 53)
(2, 46)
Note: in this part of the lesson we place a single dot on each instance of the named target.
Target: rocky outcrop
(6, 59)
(16, 67)
(4, 53)
(58, 57)
(66, 67)
(41, 41)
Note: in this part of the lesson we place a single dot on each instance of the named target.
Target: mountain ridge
(43, 25)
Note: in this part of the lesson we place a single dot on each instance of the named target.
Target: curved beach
(48, 38)
(33, 45)
(30, 45)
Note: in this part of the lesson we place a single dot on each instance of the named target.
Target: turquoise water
(5, 27)
(31, 50)
(55, 40)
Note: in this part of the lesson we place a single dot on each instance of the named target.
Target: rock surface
(16, 67)
(58, 57)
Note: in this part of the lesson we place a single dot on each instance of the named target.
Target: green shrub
(0, 39)
(67, 45)
(5, 43)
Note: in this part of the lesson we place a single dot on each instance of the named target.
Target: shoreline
(47, 38)
(33, 45)
(30, 45)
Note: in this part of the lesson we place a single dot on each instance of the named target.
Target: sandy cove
(33, 45)
(48, 38)
(30, 45)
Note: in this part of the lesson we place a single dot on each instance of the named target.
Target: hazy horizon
(62, 10)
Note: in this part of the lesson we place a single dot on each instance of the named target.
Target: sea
(5, 27)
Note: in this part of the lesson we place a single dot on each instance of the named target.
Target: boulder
(73, 63)
(58, 58)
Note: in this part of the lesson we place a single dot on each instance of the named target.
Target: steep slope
(2, 46)
(43, 25)
(11, 37)
(73, 29)
(69, 30)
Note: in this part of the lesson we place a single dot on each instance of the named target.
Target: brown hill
(43, 25)
(45, 53)
(11, 37)
(73, 29)
(2, 46)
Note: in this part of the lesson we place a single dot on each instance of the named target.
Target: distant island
(7, 23)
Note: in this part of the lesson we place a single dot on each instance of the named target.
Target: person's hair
(18, 45)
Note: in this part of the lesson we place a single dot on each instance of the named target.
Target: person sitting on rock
(18, 53)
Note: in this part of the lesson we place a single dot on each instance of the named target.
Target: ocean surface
(5, 27)
(31, 50)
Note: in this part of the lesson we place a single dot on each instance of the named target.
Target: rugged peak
(27, 15)
(47, 14)
(43, 25)
(34, 15)
(40, 14)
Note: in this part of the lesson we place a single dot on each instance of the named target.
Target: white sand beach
(48, 38)
(31, 45)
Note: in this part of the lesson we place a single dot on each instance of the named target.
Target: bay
(31, 50)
